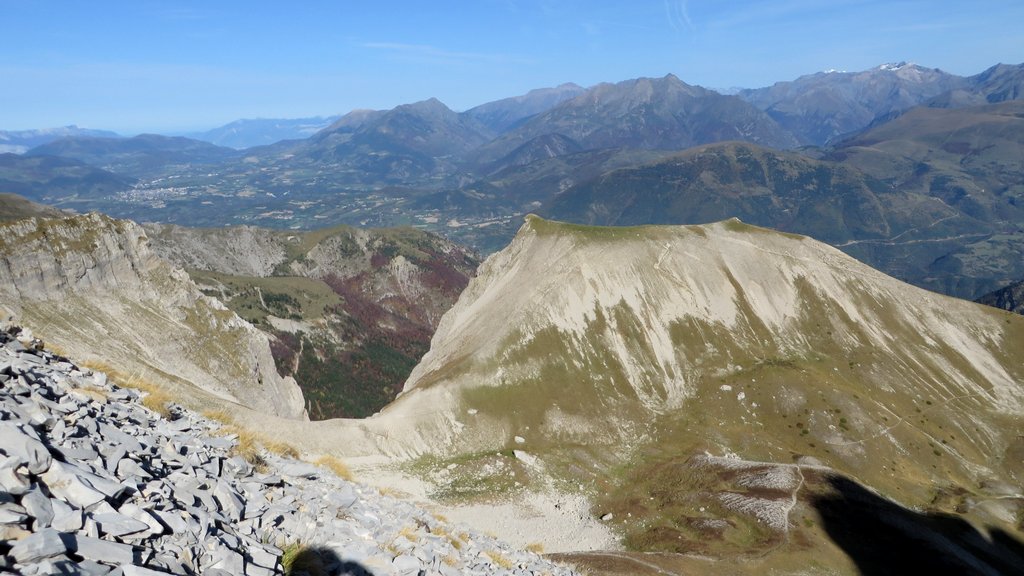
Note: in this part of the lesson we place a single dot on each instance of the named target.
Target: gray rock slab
(11, 513)
(173, 519)
(65, 482)
(133, 570)
(65, 518)
(230, 502)
(12, 480)
(299, 470)
(71, 452)
(114, 524)
(99, 550)
(44, 543)
(93, 568)
(228, 560)
(38, 506)
(263, 557)
(155, 528)
(406, 565)
(15, 441)
(344, 497)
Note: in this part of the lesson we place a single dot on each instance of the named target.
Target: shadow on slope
(882, 537)
(322, 561)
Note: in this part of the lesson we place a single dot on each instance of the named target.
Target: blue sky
(142, 65)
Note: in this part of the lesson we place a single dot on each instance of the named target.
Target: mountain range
(250, 132)
(20, 141)
(944, 145)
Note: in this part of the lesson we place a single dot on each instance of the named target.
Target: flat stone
(230, 502)
(12, 513)
(254, 570)
(99, 550)
(228, 560)
(12, 480)
(112, 456)
(92, 568)
(128, 468)
(65, 482)
(16, 442)
(406, 565)
(299, 470)
(173, 520)
(344, 497)
(44, 543)
(39, 507)
(114, 524)
(263, 557)
(155, 528)
(65, 518)
(133, 570)
(83, 453)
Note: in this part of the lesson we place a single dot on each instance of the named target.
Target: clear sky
(145, 65)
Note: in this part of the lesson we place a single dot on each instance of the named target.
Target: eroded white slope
(726, 274)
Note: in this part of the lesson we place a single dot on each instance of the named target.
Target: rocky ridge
(94, 482)
(98, 292)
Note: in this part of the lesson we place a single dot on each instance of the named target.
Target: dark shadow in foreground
(324, 562)
(882, 537)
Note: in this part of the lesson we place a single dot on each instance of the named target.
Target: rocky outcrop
(239, 250)
(349, 311)
(1009, 298)
(403, 270)
(95, 289)
(93, 482)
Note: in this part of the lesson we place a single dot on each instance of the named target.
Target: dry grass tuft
(409, 533)
(250, 443)
(442, 532)
(155, 397)
(247, 445)
(500, 559)
(301, 559)
(220, 415)
(535, 547)
(392, 492)
(54, 349)
(97, 394)
(282, 449)
(335, 465)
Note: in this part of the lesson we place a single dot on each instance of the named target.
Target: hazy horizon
(146, 67)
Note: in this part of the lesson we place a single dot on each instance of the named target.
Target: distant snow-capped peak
(892, 67)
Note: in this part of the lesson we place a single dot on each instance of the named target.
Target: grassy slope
(14, 207)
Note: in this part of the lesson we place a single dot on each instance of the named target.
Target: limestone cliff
(90, 285)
